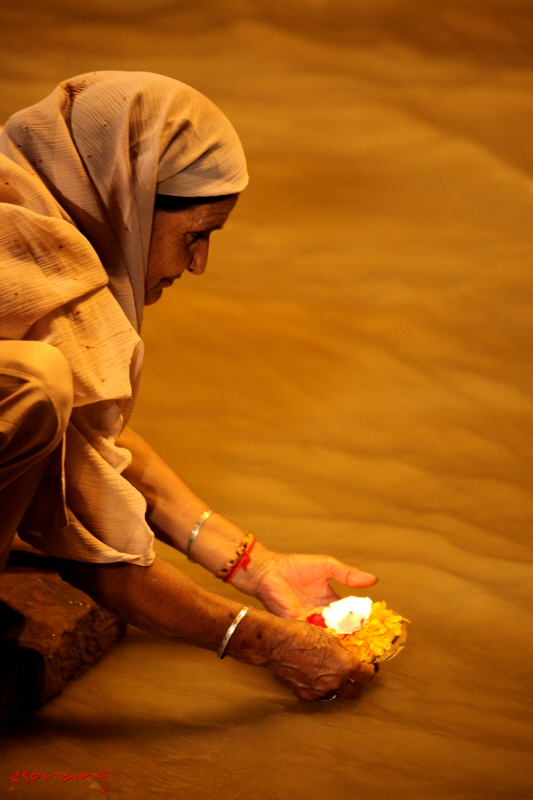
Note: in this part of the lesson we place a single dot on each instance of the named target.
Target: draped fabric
(78, 176)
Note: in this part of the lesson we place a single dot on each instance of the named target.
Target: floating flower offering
(370, 631)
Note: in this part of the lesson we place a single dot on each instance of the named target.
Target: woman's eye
(193, 237)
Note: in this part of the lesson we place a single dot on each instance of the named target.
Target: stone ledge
(50, 632)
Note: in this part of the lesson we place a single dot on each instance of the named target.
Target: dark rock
(50, 632)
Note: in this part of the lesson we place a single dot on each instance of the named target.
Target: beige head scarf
(89, 160)
(104, 143)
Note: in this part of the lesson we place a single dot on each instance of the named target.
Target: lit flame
(347, 615)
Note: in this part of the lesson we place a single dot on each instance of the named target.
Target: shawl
(79, 172)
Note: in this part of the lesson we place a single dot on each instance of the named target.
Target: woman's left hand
(291, 586)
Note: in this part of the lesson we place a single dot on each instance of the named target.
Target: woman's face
(180, 241)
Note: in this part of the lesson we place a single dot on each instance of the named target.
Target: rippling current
(352, 375)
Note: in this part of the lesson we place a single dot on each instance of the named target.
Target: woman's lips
(165, 282)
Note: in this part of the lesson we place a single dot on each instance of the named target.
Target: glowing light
(347, 615)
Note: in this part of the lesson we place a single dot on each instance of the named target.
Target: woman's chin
(152, 296)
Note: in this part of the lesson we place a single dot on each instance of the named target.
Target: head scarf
(105, 143)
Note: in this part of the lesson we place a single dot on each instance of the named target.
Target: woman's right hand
(309, 659)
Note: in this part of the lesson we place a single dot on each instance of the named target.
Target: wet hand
(315, 665)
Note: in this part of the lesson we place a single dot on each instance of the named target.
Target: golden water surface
(352, 375)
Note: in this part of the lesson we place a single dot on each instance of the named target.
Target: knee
(48, 383)
(51, 369)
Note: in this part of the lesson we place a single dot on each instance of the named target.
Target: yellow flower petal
(376, 637)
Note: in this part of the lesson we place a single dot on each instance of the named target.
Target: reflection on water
(352, 375)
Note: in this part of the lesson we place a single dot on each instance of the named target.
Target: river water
(352, 375)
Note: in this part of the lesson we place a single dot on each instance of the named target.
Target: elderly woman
(109, 191)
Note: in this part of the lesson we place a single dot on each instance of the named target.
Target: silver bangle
(221, 652)
(194, 533)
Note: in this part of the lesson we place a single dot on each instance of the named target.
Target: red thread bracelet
(241, 559)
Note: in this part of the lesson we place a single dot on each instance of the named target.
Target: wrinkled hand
(315, 666)
(293, 585)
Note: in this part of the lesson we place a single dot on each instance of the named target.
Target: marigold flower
(377, 636)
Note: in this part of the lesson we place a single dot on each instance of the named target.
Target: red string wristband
(241, 559)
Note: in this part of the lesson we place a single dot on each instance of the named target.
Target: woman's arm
(174, 509)
(163, 601)
(288, 585)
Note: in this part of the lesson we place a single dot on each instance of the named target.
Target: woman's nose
(199, 262)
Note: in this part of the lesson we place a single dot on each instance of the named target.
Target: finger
(350, 690)
(351, 576)
(302, 691)
(364, 672)
(305, 693)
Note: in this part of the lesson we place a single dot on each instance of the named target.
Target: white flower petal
(347, 615)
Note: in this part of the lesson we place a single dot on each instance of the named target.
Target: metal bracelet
(194, 533)
(221, 652)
